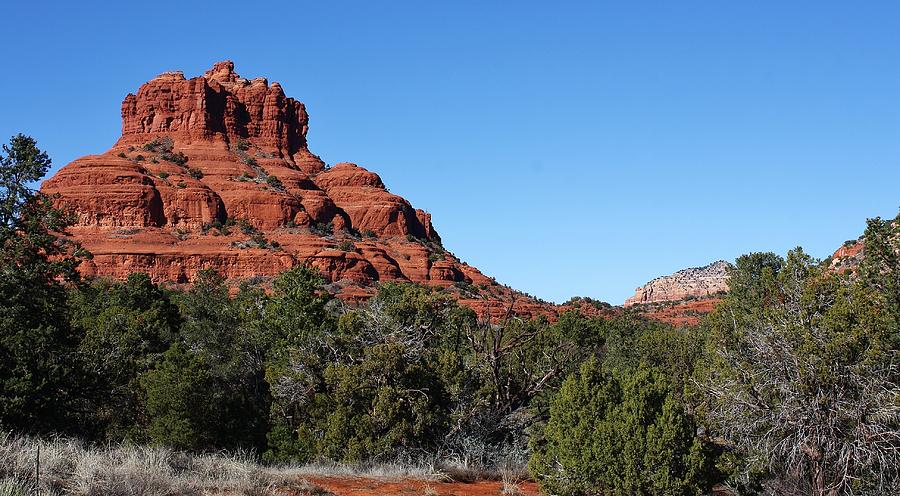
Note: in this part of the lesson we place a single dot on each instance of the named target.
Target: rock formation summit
(684, 297)
(214, 172)
(696, 282)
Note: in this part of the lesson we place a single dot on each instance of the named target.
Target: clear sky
(566, 148)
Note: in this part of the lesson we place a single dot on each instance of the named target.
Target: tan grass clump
(67, 467)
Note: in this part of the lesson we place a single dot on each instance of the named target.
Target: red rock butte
(214, 172)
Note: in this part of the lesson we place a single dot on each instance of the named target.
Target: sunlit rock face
(214, 172)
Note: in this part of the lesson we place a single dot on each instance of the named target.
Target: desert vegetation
(57, 466)
(789, 387)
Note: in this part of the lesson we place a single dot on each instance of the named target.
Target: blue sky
(567, 148)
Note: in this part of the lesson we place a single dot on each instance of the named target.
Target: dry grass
(511, 489)
(444, 470)
(417, 471)
(428, 490)
(513, 473)
(509, 470)
(69, 468)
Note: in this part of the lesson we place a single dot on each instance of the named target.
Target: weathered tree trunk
(819, 478)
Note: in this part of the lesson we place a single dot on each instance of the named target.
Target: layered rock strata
(214, 172)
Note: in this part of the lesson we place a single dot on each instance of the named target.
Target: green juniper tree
(178, 397)
(803, 378)
(36, 367)
(290, 323)
(620, 435)
(219, 331)
(125, 327)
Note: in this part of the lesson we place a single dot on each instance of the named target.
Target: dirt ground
(398, 487)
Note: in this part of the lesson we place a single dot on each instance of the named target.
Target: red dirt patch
(358, 486)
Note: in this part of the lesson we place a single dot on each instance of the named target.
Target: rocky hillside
(215, 172)
(849, 255)
(684, 297)
(697, 282)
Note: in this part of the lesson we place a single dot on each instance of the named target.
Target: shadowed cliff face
(215, 172)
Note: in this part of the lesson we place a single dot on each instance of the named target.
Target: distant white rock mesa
(697, 282)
